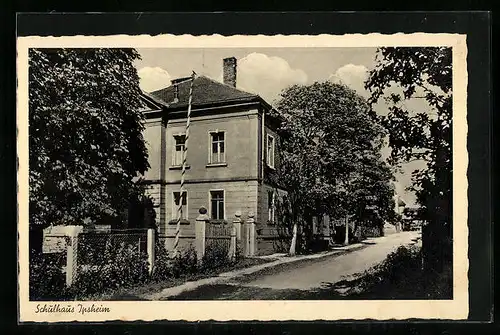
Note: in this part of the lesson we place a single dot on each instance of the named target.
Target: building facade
(232, 152)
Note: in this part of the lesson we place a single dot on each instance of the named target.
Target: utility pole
(346, 240)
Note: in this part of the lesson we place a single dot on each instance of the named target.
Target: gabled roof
(206, 91)
(151, 103)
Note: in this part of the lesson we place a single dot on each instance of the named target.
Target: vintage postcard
(242, 177)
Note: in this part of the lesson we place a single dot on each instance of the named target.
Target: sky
(267, 71)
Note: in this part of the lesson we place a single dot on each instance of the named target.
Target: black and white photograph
(249, 172)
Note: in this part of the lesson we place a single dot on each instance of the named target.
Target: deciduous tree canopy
(402, 74)
(331, 149)
(85, 134)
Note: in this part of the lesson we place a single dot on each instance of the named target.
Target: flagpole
(183, 173)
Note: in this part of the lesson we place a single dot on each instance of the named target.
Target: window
(184, 207)
(217, 205)
(217, 150)
(271, 205)
(180, 144)
(270, 151)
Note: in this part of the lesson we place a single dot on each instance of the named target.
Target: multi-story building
(232, 151)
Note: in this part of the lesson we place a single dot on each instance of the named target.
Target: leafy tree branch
(86, 142)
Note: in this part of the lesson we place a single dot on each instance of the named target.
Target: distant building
(232, 153)
(400, 204)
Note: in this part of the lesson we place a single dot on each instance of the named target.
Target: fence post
(151, 249)
(72, 253)
(251, 228)
(245, 239)
(199, 228)
(237, 224)
(232, 246)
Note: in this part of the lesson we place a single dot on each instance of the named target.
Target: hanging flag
(183, 172)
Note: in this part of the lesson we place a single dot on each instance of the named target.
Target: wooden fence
(218, 235)
(238, 237)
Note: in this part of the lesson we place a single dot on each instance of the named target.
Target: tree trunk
(346, 240)
(294, 240)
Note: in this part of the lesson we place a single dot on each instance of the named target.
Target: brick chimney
(175, 83)
(229, 71)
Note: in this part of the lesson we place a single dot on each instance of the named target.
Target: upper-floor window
(180, 144)
(217, 148)
(179, 205)
(270, 151)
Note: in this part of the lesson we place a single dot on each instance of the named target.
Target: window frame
(223, 202)
(271, 210)
(270, 162)
(175, 207)
(210, 147)
(174, 149)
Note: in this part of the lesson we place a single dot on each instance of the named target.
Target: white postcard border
(455, 309)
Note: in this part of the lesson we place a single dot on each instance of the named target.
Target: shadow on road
(399, 277)
(344, 290)
(128, 297)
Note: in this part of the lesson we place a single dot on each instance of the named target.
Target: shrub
(163, 267)
(398, 276)
(339, 236)
(121, 266)
(404, 259)
(239, 253)
(186, 262)
(283, 240)
(317, 244)
(216, 256)
(47, 280)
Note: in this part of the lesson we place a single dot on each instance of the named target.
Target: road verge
(235, 274)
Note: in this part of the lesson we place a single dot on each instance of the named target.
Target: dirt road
(302, 280)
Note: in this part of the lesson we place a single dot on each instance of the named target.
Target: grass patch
(400, 276)
(137, 292)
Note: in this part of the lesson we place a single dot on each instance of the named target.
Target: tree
(421, 73)
(85, 135)
(330, 145)
(372, 194)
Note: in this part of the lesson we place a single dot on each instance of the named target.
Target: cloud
(153, 78)
(354, 76)
(267, 76)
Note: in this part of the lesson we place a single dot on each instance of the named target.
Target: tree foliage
(85, 134)
(331, 155)
(402, 74)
